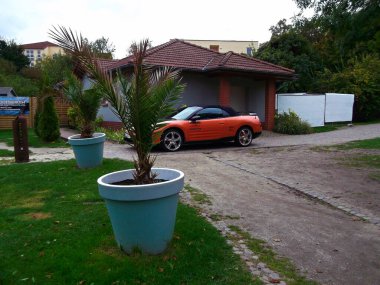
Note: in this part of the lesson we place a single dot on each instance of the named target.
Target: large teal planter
(89, 151)
(142, 216)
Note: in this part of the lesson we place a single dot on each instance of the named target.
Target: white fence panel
(339, 107)
(310, 108)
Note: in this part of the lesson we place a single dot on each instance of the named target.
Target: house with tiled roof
(37, 51)
(229, 79)
(241, 47)
(7, 92)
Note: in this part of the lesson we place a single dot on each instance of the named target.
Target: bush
(73, 117)
(48, 123)
(99, 121)
(291, 124)
(361, 78)
(37, 117)
(113, 135)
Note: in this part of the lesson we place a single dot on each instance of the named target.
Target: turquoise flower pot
(142, 216)
(88, 151)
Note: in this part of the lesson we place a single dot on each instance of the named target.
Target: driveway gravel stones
(325, 243)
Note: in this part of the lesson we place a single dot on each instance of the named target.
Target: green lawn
(324, 129)
(6, 153)
(363, 144)
(365, 161)
(328, 127)
(54, 229)
(6, 136)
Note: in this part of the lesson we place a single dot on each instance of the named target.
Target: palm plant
(139, 99)
(86, 102)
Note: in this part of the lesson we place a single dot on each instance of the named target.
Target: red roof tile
(105, 64)
(184, 55)
(40, 45)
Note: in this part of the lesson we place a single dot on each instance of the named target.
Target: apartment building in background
(240, 47)
(37, 51)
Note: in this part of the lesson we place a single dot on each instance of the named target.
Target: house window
(249, 51)
(214, 47)
(30, 56)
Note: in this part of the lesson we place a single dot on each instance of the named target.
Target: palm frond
(139, 100)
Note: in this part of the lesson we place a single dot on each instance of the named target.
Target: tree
(101, 47)
(132, 46)
(11, 51)
(54, 70)
(362, 78)
(48, 123)
(85, 102)
(10, 77)
(291, 49)
(140, 99)
(336, 50)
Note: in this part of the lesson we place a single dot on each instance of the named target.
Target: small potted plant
(87, 146)
(142, 202)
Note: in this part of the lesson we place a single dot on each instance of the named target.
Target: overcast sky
(124, 21)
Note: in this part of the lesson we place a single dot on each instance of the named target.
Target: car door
(210, 125)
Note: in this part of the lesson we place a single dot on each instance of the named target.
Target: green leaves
(140, 94)
(87, 102)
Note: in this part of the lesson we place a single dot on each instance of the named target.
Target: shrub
(113, 135)
(48, 123)
(86, 103)
(361, 78)
(291, 124)
(37, 117)
(73, 118)
(99, 121)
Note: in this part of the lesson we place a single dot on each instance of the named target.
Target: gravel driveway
(265, 185)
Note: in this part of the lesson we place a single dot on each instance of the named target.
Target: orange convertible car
(210, 123)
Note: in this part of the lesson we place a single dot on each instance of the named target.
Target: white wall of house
(226, 46)
(200, 90)
(256, 101)
(104, 111)
(247, 95)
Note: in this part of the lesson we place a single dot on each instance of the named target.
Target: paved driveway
(325, 243)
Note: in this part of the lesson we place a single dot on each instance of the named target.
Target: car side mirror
(195, 118)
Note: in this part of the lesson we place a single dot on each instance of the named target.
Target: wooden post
(20, 139)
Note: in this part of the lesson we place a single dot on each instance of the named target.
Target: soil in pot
(133, 182)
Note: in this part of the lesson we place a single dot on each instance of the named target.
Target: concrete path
(342, 135)
(267, 139)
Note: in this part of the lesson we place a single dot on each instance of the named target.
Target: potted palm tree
(87, 146)
(142, 202)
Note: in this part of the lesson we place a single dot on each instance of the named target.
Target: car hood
(165, 122)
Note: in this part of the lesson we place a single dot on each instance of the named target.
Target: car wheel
(244, 136)
(171, 140)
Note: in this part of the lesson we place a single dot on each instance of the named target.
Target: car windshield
(185, 113)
